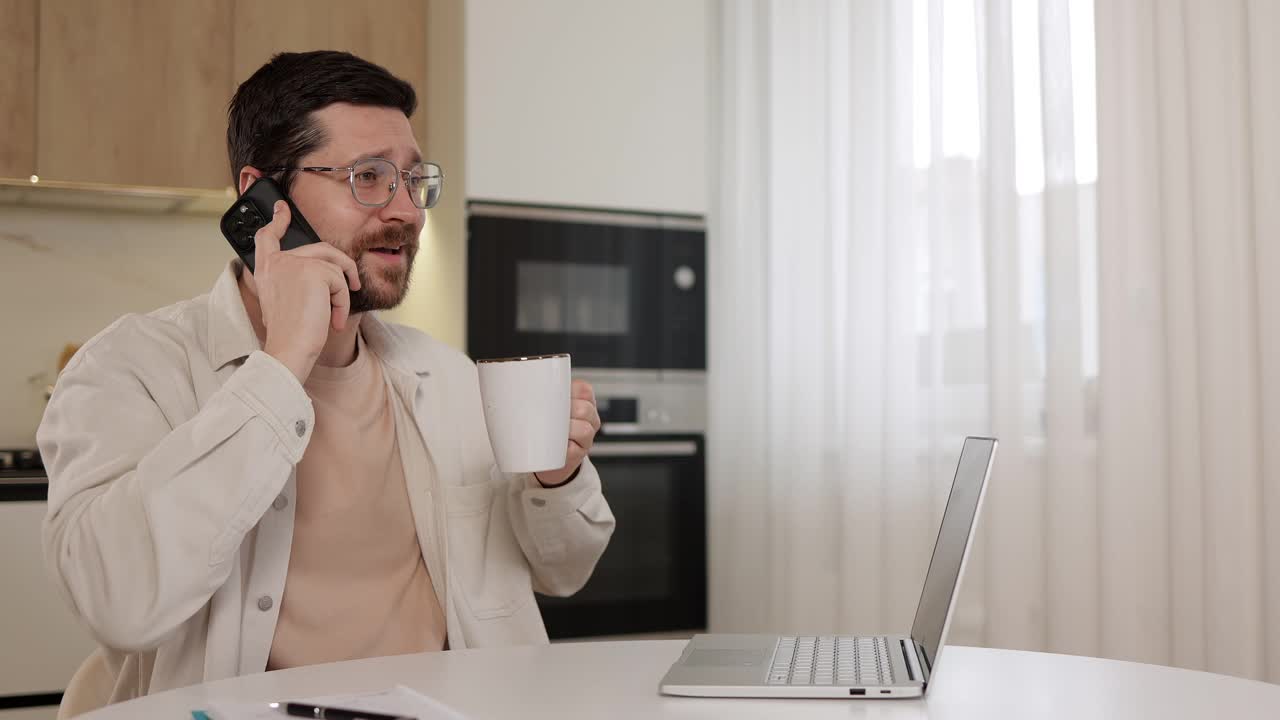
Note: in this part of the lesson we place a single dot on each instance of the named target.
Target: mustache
(401, 236)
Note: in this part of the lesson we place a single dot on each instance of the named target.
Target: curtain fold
(927, 223)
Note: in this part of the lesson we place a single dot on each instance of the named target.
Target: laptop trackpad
(726, 658)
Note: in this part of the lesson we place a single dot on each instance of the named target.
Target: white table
(620, 680)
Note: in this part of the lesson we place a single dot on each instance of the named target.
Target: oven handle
(685, 448)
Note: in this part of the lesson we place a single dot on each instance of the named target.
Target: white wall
(437, 295)
(588, 102)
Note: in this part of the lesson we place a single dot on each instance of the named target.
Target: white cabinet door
(43, 642)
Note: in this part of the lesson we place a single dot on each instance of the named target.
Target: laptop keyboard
(831, 660)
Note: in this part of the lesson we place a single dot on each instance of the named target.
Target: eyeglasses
(374, 181)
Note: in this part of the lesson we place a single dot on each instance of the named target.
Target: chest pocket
(484, 557)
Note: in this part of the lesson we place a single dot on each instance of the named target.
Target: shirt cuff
(561, 499)
(560, 484)
(273, 392)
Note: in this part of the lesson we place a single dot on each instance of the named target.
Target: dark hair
(270, 122)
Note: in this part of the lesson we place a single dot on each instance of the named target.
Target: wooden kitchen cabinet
(18, 87)
(134, 92)
(391, 33)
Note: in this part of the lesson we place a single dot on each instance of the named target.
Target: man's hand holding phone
(303, 292)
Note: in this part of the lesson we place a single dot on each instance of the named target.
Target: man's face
(382, 240)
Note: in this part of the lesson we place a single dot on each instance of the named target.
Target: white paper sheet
(398, 700)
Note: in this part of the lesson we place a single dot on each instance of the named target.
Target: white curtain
(927, 223)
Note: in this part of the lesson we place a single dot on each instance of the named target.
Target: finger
(582, 432)
(582, 390)
(574, 454)
(584, 410)
(267, 240)
(325, 251)
(339, 297)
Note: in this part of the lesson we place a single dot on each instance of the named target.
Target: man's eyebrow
(414, 158)
(382, 153)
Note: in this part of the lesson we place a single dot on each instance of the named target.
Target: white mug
(526, 410)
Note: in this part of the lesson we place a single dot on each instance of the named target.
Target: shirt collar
(231, 335)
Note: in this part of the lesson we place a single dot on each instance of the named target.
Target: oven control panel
(649, 402)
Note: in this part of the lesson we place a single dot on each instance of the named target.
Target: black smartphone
(252, 210)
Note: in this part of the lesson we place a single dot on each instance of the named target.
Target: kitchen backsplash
(67, 274)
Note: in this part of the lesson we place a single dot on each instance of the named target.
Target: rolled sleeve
(563, 530)
(135, 498)
(275, 395)
(560, 500)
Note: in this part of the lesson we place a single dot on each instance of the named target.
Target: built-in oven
(652, 578)
(653, 575)
(619, 290)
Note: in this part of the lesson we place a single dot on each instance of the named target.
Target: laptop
(869, 666)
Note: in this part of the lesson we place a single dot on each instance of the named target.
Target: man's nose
(401, 206)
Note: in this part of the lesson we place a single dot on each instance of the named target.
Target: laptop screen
(948, 553)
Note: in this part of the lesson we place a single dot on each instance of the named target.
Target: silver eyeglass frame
(391, 195)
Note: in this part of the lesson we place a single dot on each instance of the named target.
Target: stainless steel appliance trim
(602, 217)
(644, 449)
(522, 358)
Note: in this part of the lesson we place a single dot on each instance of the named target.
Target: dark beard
(372, 295)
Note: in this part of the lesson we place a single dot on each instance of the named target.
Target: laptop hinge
(916, 665)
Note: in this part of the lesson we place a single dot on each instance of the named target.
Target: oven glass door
(652, 577)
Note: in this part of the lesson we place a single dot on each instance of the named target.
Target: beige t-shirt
(357, 584)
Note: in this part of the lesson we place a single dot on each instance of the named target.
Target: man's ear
(248, 174)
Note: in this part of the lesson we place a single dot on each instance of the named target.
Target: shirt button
(300, 427)
(265, 602)
(281, 502)
(537, 502)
